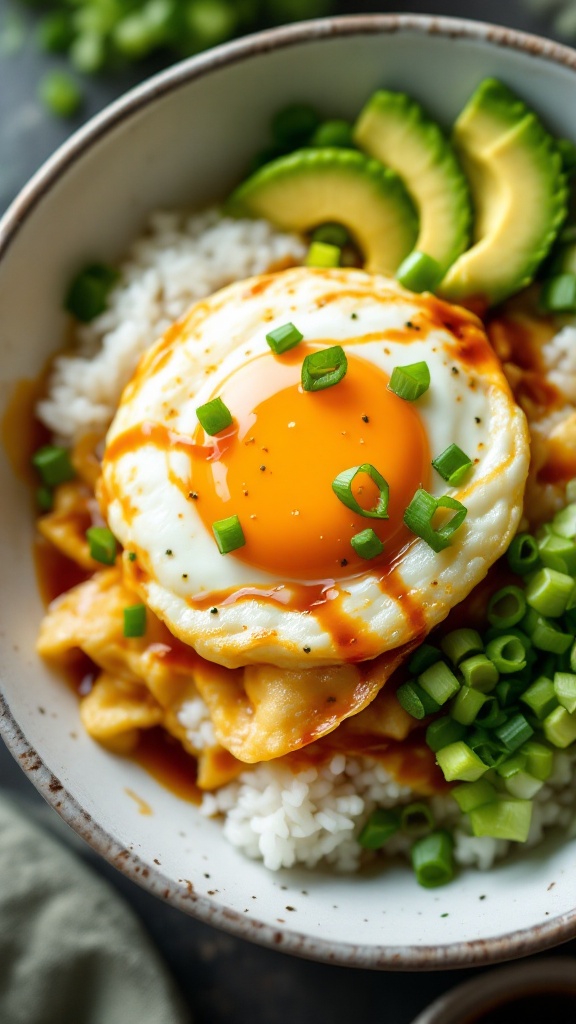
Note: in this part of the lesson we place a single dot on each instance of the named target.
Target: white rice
(182, 258)
(270, 812)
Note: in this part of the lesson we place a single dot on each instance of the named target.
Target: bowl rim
(554, 931)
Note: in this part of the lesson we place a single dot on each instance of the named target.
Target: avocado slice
(518, 190)
(396, 130)
(310, 187)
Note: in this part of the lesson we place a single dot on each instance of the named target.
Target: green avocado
(518, 190)
(397, 131)
(310, 187)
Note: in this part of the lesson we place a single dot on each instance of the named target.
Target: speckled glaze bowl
(185, 137)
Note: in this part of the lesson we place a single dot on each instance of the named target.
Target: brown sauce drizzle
(165, 759)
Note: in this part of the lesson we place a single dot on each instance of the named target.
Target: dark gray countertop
(224, 980)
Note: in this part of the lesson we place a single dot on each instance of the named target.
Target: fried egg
(297, 594)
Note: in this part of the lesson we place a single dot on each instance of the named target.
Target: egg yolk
(274, 466)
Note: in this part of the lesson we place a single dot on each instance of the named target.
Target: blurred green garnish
(105, 35)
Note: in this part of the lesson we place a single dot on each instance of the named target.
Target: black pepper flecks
(131, 556)
(169, 552)
(477, 419)
(344, 562)
(213, 611)
(306, 650)
(262, 468)
(353, 316)
(193, 495)
(455, 371)
(365, 418)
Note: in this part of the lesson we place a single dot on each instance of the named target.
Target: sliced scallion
(470, 795)
(88, 293)
(381, 824)
(505, 818)
(439, 682)
(467, 704)
(424, 656)
(523, 556)
(283, 338)
(459, 763)
(53, 464)
(342, 487)
(322, 254)
(558, 294)
(514, 732)
(565, 690)
(549, 591)
(442, 732)
(214, 416)
(452, 465)
(480, 673)
(331, 234)
(506, 607)
(460, 644)
(103, 544)
(419, 272)
(410, 382)
(540, 697)
(560, 727)
(539, 759)
(422, 509)
(229, 534)
(324, 369)
(416, 701)
(507, 653)
(432, 859)
(135, 620)
(416, 819)
(367, 544)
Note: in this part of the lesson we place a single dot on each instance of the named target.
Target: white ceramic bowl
(186, 137)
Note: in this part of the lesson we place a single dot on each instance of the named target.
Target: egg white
(475, 410)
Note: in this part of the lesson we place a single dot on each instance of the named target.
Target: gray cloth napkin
(71, 951)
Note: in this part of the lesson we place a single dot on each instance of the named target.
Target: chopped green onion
(512, 765)
(419, 272)
(323, 369)
(442, 732)
(470, 795)
(489, 752)
(414, 699)
(565, 690)
(293, 126)
(336, 132)
(53, 464)
(490, 714)
(44, 499)
(558, 294)
(460, 644)
(331, 234)
(381, 824)
(439, 682)
(60, 93)
(514, 732)
(283, 338)
(420, 512)
(549, 592)
(539, 759)
(507, 653)
(558, 553)
(103, 544)
(506, 607)
(506, 818)
(88, 293)
(523, 556)
(560, 727)
(342, 487)
(540, 697)
(545, 634)
(135, 620)
(459, 763)
(410, 382)
(467, 704)
(523, 785)
(367, 544)
(214, 416)
(416, 819)
(452, 465)
(229, 534)
(564, 522)
(480, 673)
(424, 656)
(322, 254)
(432, 859)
